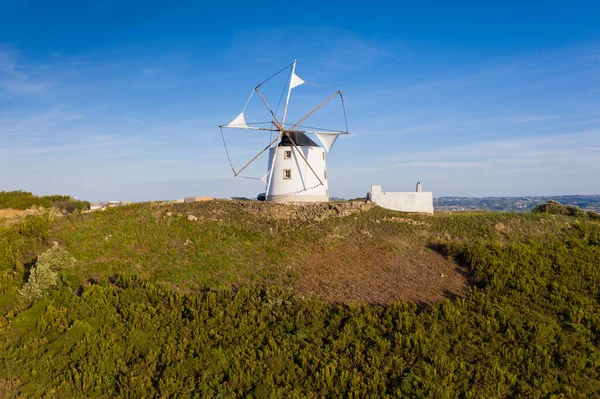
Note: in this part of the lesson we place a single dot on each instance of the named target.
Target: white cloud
(13, 79)
(544, 165)
(7, 65)
(571, 147)
(535, 118)
(444, 165)
(20, 86)
(151, 71)
(36, 124)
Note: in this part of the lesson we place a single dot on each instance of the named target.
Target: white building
(299, 171)
(418, 201)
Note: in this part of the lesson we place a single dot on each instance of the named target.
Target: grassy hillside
(240, 299)
(310, 248)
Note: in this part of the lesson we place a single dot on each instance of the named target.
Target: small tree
(44, 274)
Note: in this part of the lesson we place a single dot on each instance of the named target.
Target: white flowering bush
(44, 274)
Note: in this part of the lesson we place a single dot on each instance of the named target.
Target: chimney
(419, 188)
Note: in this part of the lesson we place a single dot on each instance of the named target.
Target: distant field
(345, 299)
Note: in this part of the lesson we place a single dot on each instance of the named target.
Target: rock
(192, 218)
(169, 213)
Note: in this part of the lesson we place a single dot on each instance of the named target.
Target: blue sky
(111, 101)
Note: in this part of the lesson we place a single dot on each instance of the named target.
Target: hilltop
(248, 299)
(341, 252)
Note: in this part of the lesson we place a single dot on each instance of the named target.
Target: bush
(71, 205)
(44, 274)
(22, 200)
(57, 198)
(556, 208)
(67, 203)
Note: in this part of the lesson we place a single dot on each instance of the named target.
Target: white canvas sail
(265, 178)
(239, 122)
(295, 81)
(328, 139)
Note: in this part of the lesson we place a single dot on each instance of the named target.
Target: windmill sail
(295, 81)
(328, 139)
(265, 178)
(238, 122)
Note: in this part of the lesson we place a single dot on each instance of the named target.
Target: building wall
(421, 202)
(303, 185)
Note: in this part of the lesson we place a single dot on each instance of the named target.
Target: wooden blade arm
(267, 104)
(250, 128)
(315, 110)
(317, 131)
(257, 155)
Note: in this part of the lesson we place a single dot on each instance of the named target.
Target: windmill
(297, 165)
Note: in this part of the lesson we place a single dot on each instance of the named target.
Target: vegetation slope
(235, 299)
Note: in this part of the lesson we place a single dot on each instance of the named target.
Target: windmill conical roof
(300, 139)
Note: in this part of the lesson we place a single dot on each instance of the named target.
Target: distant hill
(514, 204)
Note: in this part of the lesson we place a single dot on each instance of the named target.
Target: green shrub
(24, 200)
(67, 203)
(57, 197)
(20, 245)
(71, 205)
(21, 200)
(556, 208)
(44, 274)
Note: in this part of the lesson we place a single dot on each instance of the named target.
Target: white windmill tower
(297, 165)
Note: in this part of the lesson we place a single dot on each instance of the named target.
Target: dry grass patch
(376, 271)
(9, 216)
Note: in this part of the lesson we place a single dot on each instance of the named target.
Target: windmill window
(323, 156)
(325, 174)
(287, 173)
(287, 154)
